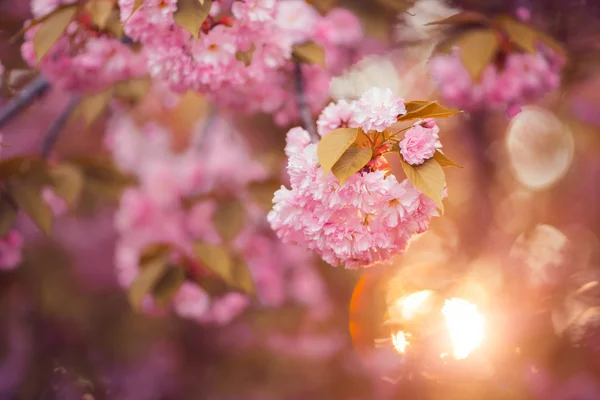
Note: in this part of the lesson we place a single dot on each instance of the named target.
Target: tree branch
(18, 103)
(57, 125)
(305, 114)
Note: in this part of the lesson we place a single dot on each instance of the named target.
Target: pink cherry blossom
(378, 109)
(336, 115)
(10, 250)
(523, 78)
(297, 139)
(366, 221)
(420, 142)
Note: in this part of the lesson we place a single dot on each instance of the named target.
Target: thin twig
(305, 114)
(57, 125)
(18, 103)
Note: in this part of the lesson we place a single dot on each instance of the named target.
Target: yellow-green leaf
(67, 182)
(164, 290)
(478, 48)
(216, 259)
(133, 90)
(52, 29)
(20, 165)
(99, 11)
(428, 178)
(519, 33)
(351, 162)
(309, 53)
(333, 145)
(154, 252)
(190, 15)
(28, 197)
(414, 105)
(246, 56)
(421, 110)
(229, 218)
(93, 105)
(146, 280)
(241, 277)
(443, 160)
(8, 213)
(465, 17)
(263, 192)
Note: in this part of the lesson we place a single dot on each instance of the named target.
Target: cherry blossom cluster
(522, 78)
(83, 58)
(153, 212)
(266, 30)
(372, 216)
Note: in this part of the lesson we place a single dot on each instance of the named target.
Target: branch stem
(305, 114)
(18, 103)
(57, 126)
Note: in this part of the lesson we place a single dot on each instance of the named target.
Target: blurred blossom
(540, 147)
(10, 250)
(413, 26)
(374, 71)
(542, 252)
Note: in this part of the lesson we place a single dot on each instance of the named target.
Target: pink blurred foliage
(522, 79)
(153, 213)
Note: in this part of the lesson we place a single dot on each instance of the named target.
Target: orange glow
(466, 326)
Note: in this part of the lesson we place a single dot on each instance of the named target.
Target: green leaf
(309, 53)
(133, 90)
(67, 182)
(246, 56)
(229, 218)
(164, 290)
(465, 17)
(28, 196)
(241, 277)
(351, 162)
(478, 48)
(444, 161)
(51, 30)
(232, 270)
(100, 10)
(8, 213)
(94, 105)
(333, 145)
(190, 15)
(428, 178)
(422, 110)
(19, 165)
(146, 280)
(263, 192)
(215, 258)
(153, 252)
(520, 34)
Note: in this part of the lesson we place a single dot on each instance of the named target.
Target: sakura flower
(366, 221)
(254, 10)
(10, 250)
(522, 78)
(378, 109)
(297, 139)
(420, 142)
(191, 301)
(336, 115)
